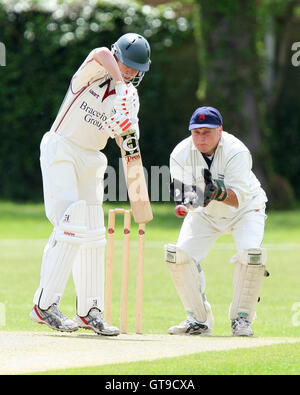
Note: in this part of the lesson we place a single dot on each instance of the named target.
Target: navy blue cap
(206, 117)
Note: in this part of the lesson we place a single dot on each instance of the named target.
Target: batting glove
(126, 107)
(117, 124)
(125, 102)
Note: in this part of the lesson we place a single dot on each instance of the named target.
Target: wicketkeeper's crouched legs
(189, 281)
(59, 255)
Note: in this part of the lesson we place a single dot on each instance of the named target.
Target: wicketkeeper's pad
(248, 277)
(189, 282)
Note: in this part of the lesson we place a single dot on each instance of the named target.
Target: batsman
(216, 192)
(102, 102)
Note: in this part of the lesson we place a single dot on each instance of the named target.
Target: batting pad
(248, 277)
(88, 270)
(72, 227)
(189, 281)
(59, 255)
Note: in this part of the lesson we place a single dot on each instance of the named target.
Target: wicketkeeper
(216, 192)
(101, 103)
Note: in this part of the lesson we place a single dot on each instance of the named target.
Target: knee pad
(72, 226)
(189, 281)
(248, 277)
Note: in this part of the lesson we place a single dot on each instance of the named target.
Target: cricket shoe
(53, 318)
(96, 323)
(190, 327)
(241, 327)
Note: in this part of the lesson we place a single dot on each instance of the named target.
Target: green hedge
(44, 49)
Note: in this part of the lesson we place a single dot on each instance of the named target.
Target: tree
(231, 70)
(230, 36)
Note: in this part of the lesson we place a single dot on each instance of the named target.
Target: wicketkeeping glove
(117, 124)
(214, 189)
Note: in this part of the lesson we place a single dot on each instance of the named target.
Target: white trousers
(71, 174)
(199, 232)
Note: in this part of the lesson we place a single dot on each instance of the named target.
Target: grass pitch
(280, 359)
(24, 231)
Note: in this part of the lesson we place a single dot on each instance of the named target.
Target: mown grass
(279, 359)
(24, 231)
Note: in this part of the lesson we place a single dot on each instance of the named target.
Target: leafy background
(195, 59)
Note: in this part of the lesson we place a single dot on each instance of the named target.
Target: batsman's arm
(98, 62)
(106, 59)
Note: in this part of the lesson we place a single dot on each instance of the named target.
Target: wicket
(125, 269)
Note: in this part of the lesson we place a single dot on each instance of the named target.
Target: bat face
(135, 177)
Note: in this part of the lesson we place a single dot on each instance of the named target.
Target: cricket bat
(135, 177)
